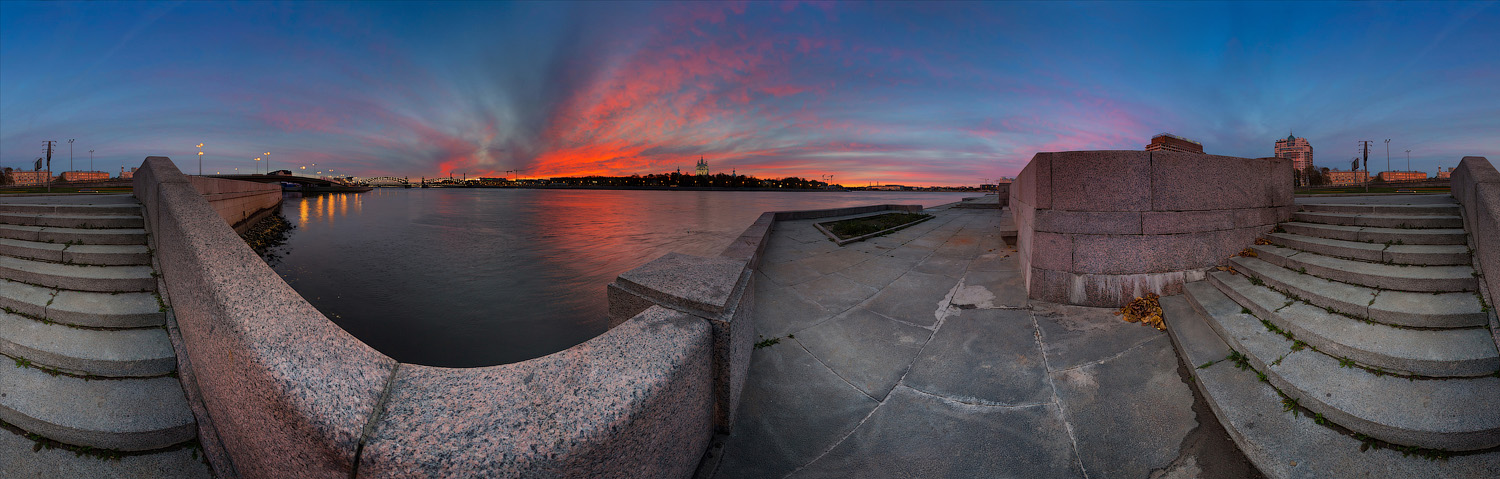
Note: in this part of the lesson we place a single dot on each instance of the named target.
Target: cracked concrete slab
(868, 350)
(920, 435)
(1136, 407)
(985, 356)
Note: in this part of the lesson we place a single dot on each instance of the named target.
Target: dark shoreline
(695, 188)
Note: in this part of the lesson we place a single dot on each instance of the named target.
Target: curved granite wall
(286, 391)
(1476, 185)
(1099, 228)
(240, 203)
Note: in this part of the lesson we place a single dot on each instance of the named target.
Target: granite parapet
(635, 401)
(1096, 227)
(285, 389)
(1476, 185)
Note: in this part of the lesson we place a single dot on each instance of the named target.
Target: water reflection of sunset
(323, 207)
(473, 277)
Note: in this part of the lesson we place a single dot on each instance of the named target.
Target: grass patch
(851, 228)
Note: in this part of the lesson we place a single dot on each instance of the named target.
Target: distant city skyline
(921, 93)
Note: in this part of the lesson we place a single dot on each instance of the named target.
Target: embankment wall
(285, 389)
(240, 203)
(1099, 228)
(1476, 185)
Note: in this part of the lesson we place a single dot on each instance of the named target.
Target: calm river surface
(477, 277)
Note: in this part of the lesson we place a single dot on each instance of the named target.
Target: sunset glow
(924, 94)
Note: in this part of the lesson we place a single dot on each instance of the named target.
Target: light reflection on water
(476, 277)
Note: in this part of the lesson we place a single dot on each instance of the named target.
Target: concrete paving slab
(836, 260)
(834, 292)
(920, 435)
(944, 265)
(984, 356)
(789, 273)
(779, 310)
(878, 271)
(789, 417)
(1000, 260)
(1129, 412)
(1077, 335)
(870, 351)
(1004, 289)
(913, 298)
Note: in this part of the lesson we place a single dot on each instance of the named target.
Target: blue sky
(927, 93)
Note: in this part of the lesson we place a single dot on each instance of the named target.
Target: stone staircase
(94, 367)
(1360, 327)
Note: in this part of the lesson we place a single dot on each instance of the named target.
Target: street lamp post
(268, 162)
(91, 160)
(70, 154)
(200, 159)
(1408, 160)
(257, 165)
(1387, 154)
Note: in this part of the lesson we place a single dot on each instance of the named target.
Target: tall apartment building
(1170, 142)
(1296, 149)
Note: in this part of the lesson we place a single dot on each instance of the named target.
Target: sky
(884, 92)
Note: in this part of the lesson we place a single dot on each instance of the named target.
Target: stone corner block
(686, 282)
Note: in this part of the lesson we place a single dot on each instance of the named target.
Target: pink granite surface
(287, 389)
(1098, 228)
(633, 402)
(1476, 185)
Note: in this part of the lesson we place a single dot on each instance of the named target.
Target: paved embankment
(916, 355)
(95, 368)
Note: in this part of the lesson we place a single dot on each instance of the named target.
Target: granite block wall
(288, 392)
(1099, 228)
(240, 203)
(1476, 185)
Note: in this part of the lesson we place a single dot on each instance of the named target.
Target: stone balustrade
(1476, 185)
(1099, 228)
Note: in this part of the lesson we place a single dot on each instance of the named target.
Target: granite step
(1427, 255)
(1370, 234)
(1280, 444)
(88, 352)
(50, 234)
(1383, 221)
(105, 279)
(1464, 352)
(130, 208)
(1448, 414)
(82, 308)
(1444, 209)
(1381, 276)
(123, 414)
(73, 221)
(96, 254)
(1403, 308)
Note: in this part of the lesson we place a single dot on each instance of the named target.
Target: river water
(475, 277)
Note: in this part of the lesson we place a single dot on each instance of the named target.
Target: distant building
(1170, 142)
(1345, 178)
(1443, 174)
(125, 175)
(23, 178)
(84, 175)
(1393, 176)
(702, 167)
(890, 187)
(1296, 149)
